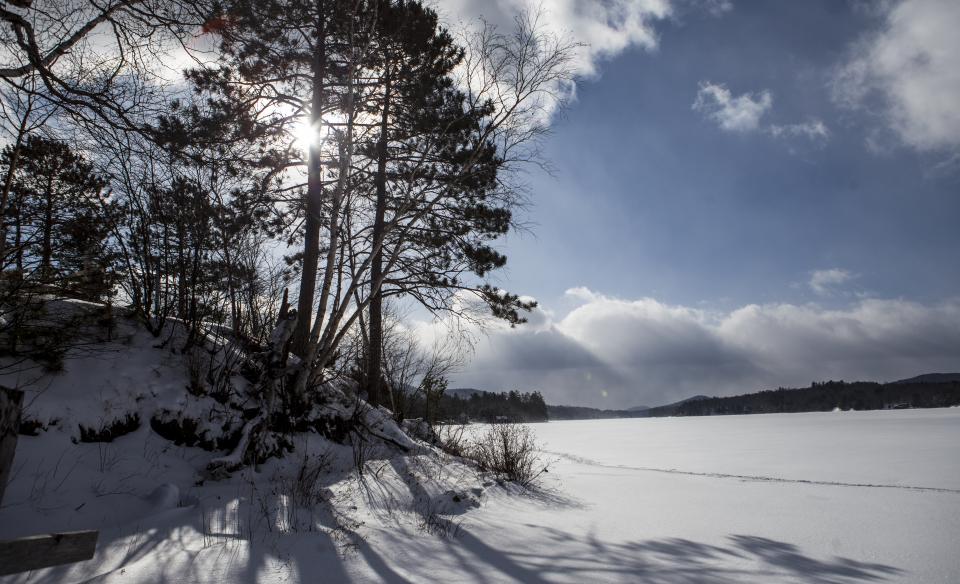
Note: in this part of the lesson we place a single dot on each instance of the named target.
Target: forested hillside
(492, 407)
(925, 391)
(823, 397)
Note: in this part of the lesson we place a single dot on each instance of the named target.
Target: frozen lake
(816, 497)
(891, 448)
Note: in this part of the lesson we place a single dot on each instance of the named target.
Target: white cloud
(645, 352)
(739, 113)
(718, 7)
(813, 130)
(825, 282)
(605, 28)
(745, 113)
(581, 293)
(909, 71)
(602, 28)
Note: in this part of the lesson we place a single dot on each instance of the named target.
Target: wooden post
(11, 403)
(43, 551)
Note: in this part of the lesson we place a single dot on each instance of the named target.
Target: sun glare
(308, 135)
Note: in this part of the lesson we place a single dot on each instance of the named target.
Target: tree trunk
(375, 348)
(314, 207)
(46, 252)
(8, 184)
(18, 236)
(231, 290)
(320, 333)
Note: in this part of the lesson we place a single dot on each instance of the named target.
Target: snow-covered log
(273, 374)
(223, 465)
(276, 364)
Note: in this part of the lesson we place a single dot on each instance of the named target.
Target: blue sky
(797, 163)
(652, 199)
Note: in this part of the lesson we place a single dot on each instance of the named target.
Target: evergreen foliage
(57, 219)
(358, 140)
(486, 406)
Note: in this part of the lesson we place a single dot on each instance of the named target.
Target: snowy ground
(824, 498)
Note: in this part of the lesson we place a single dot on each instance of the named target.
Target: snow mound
(124, 437)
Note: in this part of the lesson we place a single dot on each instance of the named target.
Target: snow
(899, 448)
(103, 382)
(821, 497)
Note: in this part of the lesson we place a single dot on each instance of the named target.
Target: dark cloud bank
(610, 352)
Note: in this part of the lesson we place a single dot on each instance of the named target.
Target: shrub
(299, 496)
(433, 521)
(509, 451)
(452, 439)
(307, 489)
(31, 427)
(185, 430)
(111, 429)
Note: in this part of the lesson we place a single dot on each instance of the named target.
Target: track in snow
(758, 478)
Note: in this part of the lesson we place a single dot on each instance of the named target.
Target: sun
(308, 135)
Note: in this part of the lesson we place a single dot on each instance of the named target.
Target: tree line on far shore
(821, 396)
(824, 397)
(478, 406)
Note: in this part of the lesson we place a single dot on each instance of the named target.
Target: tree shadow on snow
(185, 544)
(554, 555)
(580, 558)
(239, 532)
(560, 556)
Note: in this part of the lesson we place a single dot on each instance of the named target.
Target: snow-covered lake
(817, 497)
(894, 448)
(814, 498)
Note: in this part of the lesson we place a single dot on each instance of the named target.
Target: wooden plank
(37, 551)
(43, 551)
(11, 404)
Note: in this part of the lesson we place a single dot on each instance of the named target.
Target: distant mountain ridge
(929, 390)
(588, 413)
(932, 378)
(585, 413)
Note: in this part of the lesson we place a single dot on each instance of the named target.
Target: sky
(745, 195)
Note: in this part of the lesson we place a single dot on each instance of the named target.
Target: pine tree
(59, 218)
(435, 177)
(407, 191)
(284, 64)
